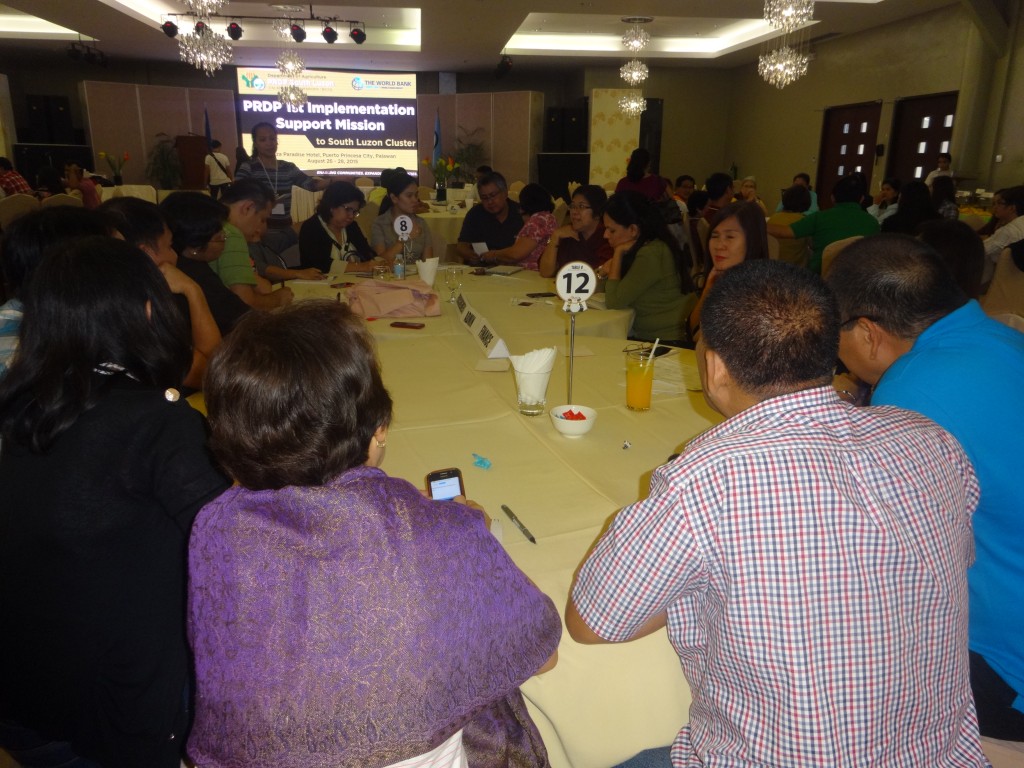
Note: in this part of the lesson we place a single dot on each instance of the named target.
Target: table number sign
(575, 283)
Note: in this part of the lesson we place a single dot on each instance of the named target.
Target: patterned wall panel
(612, 135)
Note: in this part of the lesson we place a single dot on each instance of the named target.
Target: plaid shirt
(13, 183)
(811, 558)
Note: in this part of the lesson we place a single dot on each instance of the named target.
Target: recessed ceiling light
(637, 19)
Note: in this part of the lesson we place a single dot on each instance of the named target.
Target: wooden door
(922, 128)
(848, 138)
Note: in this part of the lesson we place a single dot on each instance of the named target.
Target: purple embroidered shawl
(358, 624)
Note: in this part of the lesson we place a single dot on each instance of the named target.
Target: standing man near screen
(496, 221)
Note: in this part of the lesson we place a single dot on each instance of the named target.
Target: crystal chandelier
(290, 64)
(632, 105)
(204, 8)
(204, 49)
(636, 38)
(283, 27)
(292, 95)
(633, 72)
(782, 66)
(788, 15)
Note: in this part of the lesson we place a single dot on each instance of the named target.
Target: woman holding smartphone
(386, 626)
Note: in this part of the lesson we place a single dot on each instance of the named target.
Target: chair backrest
(364, 181)
(1006, 291)
(15, 206)
(703, 230)
(513, 194)
(573, 186)
(425, 193)
(609, 186)
(773, 248)
(832, 250)
(974, 220)
(451, 254)
(517, 187)
(561, 211)
(61, 199)
(367, 216)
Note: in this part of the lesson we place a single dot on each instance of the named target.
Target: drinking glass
(452, 281)
(639, 380)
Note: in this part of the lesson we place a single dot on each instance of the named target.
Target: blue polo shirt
(966, 372)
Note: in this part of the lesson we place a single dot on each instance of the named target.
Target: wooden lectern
(192, 153)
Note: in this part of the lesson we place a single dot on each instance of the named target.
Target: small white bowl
(572, 428)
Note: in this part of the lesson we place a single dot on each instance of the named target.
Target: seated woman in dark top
(103, 468)
(582, 239)
(331, 240)
(197, 222)
(384, 625)
(915, 208)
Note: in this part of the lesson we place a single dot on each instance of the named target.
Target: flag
(437, 138)
(206, 125)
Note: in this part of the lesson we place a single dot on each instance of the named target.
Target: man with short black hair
(803, 180)
(910, 332)
(806, 556)
(1008, 211)
(496, 221)
(720, 191)
(844, 219)
(942, 168)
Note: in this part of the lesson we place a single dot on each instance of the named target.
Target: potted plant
(163, 167)
(469, 153)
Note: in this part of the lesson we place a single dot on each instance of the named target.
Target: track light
(503, 68)
(170, 28)
(298, 32)
(357, 34)
(200, 27)
(330, 34)
(234, 30)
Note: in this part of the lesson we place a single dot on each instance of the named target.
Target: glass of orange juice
(639, 380)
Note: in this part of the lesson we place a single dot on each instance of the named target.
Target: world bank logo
(357, 83)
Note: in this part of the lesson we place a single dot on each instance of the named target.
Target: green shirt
(651, 289)
(840, 221)
(234, 267)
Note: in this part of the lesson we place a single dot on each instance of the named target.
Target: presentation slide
(355, 124)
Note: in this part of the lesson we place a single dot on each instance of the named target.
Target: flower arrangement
(443, 169)
(116, 163)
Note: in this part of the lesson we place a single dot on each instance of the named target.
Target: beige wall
(1006, 114)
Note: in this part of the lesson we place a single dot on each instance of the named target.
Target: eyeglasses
(580, 207)
(353, 212)
(488, 198)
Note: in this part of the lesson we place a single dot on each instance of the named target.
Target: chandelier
(782, 66)
(292, 95)
(633, 72)
(632, 105)
(204, 49)
(283, 27)
(290, 64)
(204, 8)
(788, 15)
(636, 38)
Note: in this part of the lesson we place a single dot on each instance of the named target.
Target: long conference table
(602, 704)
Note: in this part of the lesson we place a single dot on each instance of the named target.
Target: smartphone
(541, 295)
(445, 484)
(403, 324)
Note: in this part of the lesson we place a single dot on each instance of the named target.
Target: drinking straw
(650, 357)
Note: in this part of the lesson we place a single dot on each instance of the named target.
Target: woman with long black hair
(102, 470)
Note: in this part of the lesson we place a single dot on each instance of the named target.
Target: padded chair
(561, 211)
(15, 206)
(451, 254)
(573, 186)
(773, 248)
(425, 193)
(517, 187)
(1006, 291)
(703, 230)
(367, 216)
(834, 249)
(52, 200)
(364, 181)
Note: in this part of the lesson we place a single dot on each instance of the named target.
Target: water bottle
(399, 267)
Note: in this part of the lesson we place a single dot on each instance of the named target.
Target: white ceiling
(444, 35)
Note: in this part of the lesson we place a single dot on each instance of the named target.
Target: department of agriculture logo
(357, 83)
(254, 81)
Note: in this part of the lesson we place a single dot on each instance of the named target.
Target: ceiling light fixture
(292, 95)
(170, 28)
(234, 30)
(290, 64)
(782, 66)
(633, 72)
(788, 15)
(632, 105)
(297, 31)
(357, 33)
(636, 37)
(204, 8)
(204, 49)
(283, 27)
(330, 34)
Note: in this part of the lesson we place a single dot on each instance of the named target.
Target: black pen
(519, 524)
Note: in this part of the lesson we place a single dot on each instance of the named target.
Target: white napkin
(533, 388)
(427, 270)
